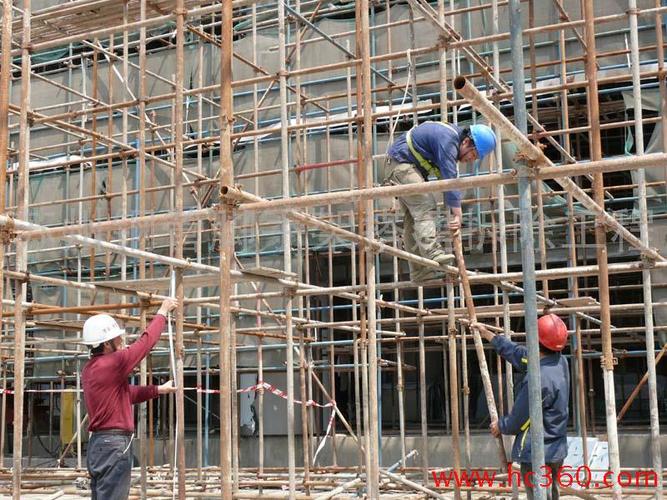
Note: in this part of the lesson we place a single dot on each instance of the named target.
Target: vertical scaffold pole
(226, 235)
(601, 248)
(654, 416)
(527, 251)
(22, 193)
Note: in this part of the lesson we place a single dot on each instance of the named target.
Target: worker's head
(552, 333)
(477, 142)
(102, 333)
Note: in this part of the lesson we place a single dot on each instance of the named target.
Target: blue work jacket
(555, 378)
(438, 144)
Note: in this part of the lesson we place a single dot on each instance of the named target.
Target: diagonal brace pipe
(536, 158)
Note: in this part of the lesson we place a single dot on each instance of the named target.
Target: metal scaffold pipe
(210, 170)
(549, 171)
(527, 244)
(21, 287)
(601, 247)
(538, 161)
(647, 285)
(479, 347)
(226, 231)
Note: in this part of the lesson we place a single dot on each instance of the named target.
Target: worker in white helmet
(109, 398)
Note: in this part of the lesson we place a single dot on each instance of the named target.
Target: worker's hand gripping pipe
(479, 347)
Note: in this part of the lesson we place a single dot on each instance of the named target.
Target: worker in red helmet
(555, 379)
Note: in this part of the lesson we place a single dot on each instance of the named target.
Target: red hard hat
(552, 332)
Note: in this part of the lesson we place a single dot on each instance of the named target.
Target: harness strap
(524, 429)
(423, 162)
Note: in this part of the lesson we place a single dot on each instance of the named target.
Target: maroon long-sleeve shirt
(108, 394)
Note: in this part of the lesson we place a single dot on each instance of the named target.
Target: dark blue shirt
(439, 144)
(555, 379)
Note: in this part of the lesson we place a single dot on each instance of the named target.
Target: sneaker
(445, 259)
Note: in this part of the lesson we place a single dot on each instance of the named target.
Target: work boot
(445, 259)
(426, 274)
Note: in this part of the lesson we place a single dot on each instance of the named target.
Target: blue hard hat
(484, 139)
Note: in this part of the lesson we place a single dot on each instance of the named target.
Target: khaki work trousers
(419, 216)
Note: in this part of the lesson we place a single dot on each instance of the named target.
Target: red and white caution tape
(55, 391)
(326, 435)
(273, 390)
(282, 394)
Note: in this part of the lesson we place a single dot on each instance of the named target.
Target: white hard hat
(100, 328)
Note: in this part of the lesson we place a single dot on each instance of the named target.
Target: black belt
(117, 432)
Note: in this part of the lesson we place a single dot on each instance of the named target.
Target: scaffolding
(210, 150)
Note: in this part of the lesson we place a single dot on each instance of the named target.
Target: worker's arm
(130, 357)
(141, 393)
(514, 353)
(510, 351)
(446, 158)
(139, 349)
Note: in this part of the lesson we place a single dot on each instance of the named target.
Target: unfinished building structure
(232, 154)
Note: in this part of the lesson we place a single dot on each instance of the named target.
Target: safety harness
(423, 162)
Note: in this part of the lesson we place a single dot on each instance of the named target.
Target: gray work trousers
(540, 478)
(110, 465)
(419, 215)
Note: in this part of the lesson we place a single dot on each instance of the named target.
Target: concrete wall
(635, 449)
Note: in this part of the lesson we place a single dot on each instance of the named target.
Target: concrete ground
(393, 496)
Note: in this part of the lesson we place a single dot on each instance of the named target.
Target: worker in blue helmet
(432, 150)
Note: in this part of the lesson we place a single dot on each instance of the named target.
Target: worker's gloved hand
(167, 306)
(495, 431)
(166, 388)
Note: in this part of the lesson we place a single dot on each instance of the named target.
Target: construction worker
(109, 398)
(432, 149)
(555, 379)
